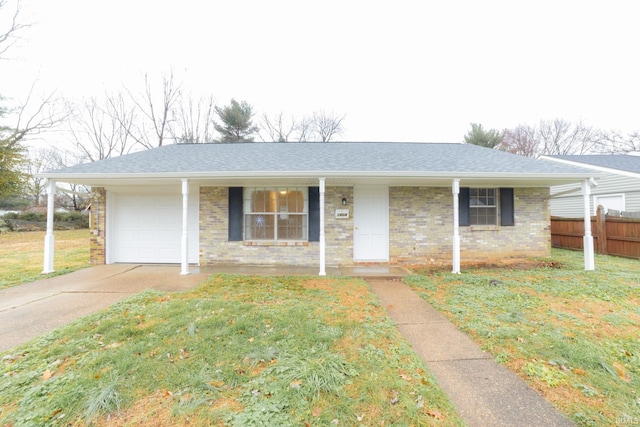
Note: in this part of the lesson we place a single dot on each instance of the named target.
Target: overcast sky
(399, 70)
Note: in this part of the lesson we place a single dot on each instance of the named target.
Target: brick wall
(215, 247)
(97, 241)
(420, 224)
(421, 228)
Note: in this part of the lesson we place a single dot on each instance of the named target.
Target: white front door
(371, 223)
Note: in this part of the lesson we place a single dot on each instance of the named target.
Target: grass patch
(22, 255)
(237, 351)
(571, 334)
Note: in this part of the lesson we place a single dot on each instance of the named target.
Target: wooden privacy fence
(612, 234)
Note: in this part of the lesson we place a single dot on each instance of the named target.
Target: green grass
(573, 335)
(22, 255)
(238, 351)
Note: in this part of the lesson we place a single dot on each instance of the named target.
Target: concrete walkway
(485, 393)
(32, 309)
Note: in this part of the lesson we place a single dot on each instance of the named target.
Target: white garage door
(147, 228)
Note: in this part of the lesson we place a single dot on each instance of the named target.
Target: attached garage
(147, 228)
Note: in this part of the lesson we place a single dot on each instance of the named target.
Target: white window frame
(278, 215)
(496, 206)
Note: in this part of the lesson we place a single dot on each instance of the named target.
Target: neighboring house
(618, 186)
(317, 204)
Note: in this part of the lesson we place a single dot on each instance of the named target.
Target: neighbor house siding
(97, 241)
(571, 205)
(215, 247)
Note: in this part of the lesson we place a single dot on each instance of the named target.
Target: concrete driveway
(38, 307)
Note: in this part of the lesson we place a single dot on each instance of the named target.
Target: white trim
(184, 250)
(108, 222)
(589, 263)
(455, 189)
(49, 240)
(323, 271)
(564, 177)
(593, 167)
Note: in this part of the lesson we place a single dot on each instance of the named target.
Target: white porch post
(323, 271)
(589, 263)
(185, 239)
(456, 226)
(48, 238)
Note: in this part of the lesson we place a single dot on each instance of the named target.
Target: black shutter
(506, 207)
(235, 214)
(464, 214)
(314, 214)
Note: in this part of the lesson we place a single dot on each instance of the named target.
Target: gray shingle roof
(623, 162)
(349, 157)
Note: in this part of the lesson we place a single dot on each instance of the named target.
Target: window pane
(259, 226)
(483, 206)
(293, 227)
(483, 216)
(275, 214)
(263, 201)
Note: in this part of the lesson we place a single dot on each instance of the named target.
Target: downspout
(589, 262)
(323, 271)
(456, 226)
(48, 238)
(185, 236)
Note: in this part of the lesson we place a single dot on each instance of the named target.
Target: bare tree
(520, 140)
(102, 128)
(28, 120)
(327, 125)
(192, 121)
(279, 129)
(319, 126)
(156, 111)
(69, 196)
(561, 137)
(305, 128)
(34, 117)
(41, 159)
(553, 137)
(10, 27)
(617, 142)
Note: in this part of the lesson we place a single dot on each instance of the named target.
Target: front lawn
(238, 351)
(572, 335)
(22, 255)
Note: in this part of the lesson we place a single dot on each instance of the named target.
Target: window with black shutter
(486, 206)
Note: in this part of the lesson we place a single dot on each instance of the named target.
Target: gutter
(316, 174)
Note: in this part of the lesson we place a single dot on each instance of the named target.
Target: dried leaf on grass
(435, 414)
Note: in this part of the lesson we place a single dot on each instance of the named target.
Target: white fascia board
(601, 169)
(313, 174)
(523, 178)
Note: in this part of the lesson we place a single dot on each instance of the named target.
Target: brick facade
(215, 246)
(420, 230)
(97, 241)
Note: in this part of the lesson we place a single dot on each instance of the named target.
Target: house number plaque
(342, 213)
